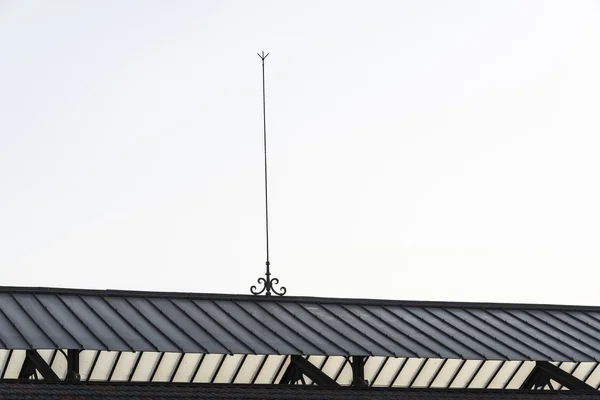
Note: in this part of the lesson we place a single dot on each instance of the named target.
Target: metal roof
(40, 318)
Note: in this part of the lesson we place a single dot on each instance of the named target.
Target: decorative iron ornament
(268, 283)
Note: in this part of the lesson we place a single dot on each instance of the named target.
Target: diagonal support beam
(33, 361)
(298, 366)
(27, 369)
(563, 377)
(543, 372)
(291, 375)
(537, 379)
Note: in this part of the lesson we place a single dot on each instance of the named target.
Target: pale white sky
(434, 150)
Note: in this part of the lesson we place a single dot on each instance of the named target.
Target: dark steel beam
(358, 371)
(72, 366)
(536, 379)
(27, 369)
(33, 361)
(563, 377)
(291, 375)
(543, 372)
(300, 366)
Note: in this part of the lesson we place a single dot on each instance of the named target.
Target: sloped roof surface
(80, 391)
(33, 318)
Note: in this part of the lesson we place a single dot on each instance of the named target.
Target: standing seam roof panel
(118, 323)
(512, 348)
(246, 325)
(305, 345)
(474, 344)
(299, 326)
(104, 332)
(497, 349)
(285, 345)
(48, 322)
(519, 335)
(414, 345)
(171, 332)
(327, 325)
(71, 322)
(238, 330)
(439, 333)
(539, 333)
(415, 332)
(571, 321)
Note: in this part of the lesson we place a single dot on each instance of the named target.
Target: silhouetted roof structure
(126, 336)
(230, 324)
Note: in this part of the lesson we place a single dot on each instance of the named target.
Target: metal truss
(357, 371)
(544, 373)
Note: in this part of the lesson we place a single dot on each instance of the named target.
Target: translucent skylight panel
(482, 376)
(594, 379)
(228, 368)
(582, 371)
(166, 367)
(145, 367)
(15, 363)
(427, 373)
(409, 369)
(187, 368)
(345, 375)
(207, 367)
(465, 373)
(124, 366)
(4, 359)
(521, 374)
(248, 369)
(269, 369)
(388, 372)
(86, 358)
(283, 364)
(503, 374)
(58, 361)
(447, 372)
(103, 365)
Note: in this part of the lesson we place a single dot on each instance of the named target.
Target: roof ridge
(308, 299)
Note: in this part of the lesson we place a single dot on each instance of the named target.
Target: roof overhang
(122, 336)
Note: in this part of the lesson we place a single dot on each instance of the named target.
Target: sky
(420, 150)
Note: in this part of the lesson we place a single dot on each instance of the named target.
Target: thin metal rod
(262, 57)
(267, 282)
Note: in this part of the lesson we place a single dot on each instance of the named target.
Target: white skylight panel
(228, 368)
(187, 368)
(207, 367)
(145, 366)
(521, 374)
(248, 369)
(388, 372)
(103, 365)
(269, 369)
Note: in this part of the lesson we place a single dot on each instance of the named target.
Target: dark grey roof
(39, 318)
(81, 391)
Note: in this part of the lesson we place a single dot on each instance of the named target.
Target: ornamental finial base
(268, 286)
